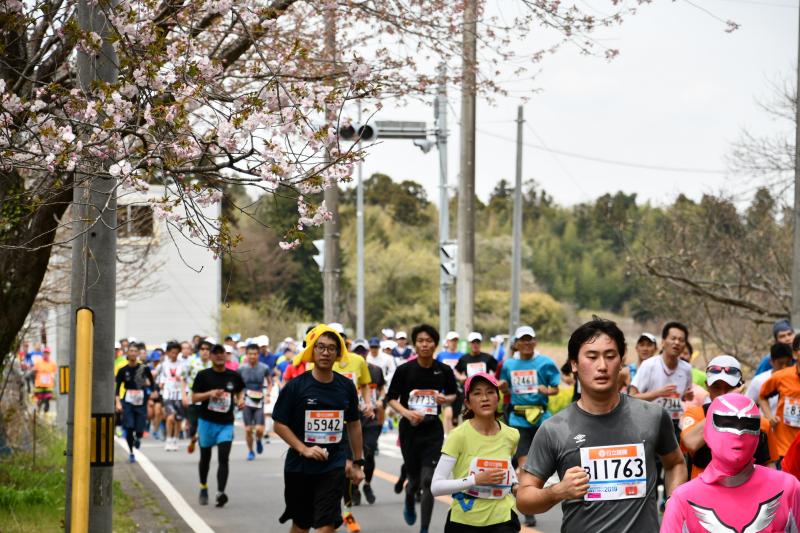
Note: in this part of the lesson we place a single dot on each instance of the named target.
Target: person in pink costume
(732, 494)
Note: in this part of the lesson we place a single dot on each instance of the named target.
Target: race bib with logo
(524, 382)
(791, 412)
(474, 368)
(672, 404)
(253, 398)
(134, 397)
(423, 401)
(324, 427)
(615, 472)
(492, 492)
(221, 404)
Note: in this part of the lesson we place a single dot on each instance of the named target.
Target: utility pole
(94, 285)
(331, 269)
(796, 256)
(440, 115)
(516, 252)
(465, 286)
(360, 245)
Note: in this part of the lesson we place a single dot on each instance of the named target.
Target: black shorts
(313, 500)
(512, 526)
(421, 445)
(525, 440)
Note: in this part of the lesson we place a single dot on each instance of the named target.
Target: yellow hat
(307, 355)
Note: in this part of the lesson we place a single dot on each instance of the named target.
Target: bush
(272, 317)
(540, 310)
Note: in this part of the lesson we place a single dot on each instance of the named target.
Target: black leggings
(129, 437)
(422, 482)
(369, 464)
(223, 452)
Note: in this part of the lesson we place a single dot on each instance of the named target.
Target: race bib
(134, 397)
(221, 404)
(791, 412)
(324, 427)
(253, 398)
(524, 382)
(46, 379)
(615, 472)
(474, 368)
(423, 401)
(492, 492)
(672, 404)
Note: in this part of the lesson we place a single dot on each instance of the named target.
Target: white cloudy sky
(679, 93)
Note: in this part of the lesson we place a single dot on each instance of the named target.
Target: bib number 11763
(615, 472)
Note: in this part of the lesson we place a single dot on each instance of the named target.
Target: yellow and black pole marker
(82, 429)
(63, 379)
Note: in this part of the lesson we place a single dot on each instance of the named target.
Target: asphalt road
(255, 490)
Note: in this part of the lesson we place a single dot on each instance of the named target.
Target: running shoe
(131, 458)
(356, 496)
(398, 486)
(203, 496)
(266, 439)
(222, 499)
(368, 494)
(191, 446)
(409, 514)
(259, 447)
(137, 443)
(250, 455)
(351, 523)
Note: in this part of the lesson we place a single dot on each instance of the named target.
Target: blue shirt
(764, 365)
(268, 359)
(517, 372)
(449, 358)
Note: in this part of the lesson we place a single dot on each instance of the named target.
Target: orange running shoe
(190, 448)
(350, 522)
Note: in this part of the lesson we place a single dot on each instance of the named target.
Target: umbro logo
(580, 438)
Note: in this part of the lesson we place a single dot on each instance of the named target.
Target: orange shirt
(45, 373)
(786, 383)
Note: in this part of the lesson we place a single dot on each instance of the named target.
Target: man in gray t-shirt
(254, 374)
(603, 447)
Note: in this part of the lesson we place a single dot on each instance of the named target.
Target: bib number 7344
(615, 472)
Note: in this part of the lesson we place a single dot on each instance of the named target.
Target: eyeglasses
(323, 348)
(730, 370)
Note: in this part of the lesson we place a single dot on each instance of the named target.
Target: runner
(402, 351)
(723, 376)
(370, 426)
(170, 378)
(732, 494)
(603, 447)
(255, 376)
(44, 369)
(530, 381)
(450, 356)
(310, 417)
(377, 356)
(478, 453)
(199, 362)
(646, 347)
(219, 390)
(783, 333)
(475, 361)
(785, 420)
(780, 357)
(137, 379)
(418, 391)
(155, 404)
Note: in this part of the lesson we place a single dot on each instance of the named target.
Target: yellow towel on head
(307, 355)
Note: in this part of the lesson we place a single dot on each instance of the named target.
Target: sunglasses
(716, 369)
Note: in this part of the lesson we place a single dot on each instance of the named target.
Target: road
(255, 489)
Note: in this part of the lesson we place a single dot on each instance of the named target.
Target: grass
(32, 498)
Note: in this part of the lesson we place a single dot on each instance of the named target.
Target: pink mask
(731, 431)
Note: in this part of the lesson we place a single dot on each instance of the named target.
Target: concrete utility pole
(440, 114)
(516, 252)
(360, 245)
(796, 256)
(465, 286)
(94, 273)
(331, 269)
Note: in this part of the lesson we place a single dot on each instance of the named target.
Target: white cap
(211, 340)
(388, 345)
(117, 345)
(241, 344)
(451, 335)
(724, 361)
(288, 339)
(335, 326)
(359, 343)
(497, 338)
(401, 335)
(524, 330)
(474, 336)
(388, 333)
(228, 348)
(648, 336)
(262, 340)
(132, 339)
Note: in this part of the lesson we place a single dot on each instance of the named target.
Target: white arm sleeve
(442, 483)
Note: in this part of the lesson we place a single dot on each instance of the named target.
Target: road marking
(443, 499)
(192, 519)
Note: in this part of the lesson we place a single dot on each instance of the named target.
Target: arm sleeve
(541, 461)
(443, 484)
(666, 435)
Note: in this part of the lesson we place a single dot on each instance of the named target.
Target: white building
(179, 294)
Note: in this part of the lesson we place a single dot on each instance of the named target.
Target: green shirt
(465, 444)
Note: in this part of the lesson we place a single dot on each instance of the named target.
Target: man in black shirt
(476, 360)
(418, 391)
(138, 381)
(310, 417)
(219, 390)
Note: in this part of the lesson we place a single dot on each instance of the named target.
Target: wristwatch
(359, 462)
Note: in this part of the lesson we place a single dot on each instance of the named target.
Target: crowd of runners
(641, 441)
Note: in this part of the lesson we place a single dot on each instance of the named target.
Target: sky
(680, 92)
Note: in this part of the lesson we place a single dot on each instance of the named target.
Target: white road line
(192, 519)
